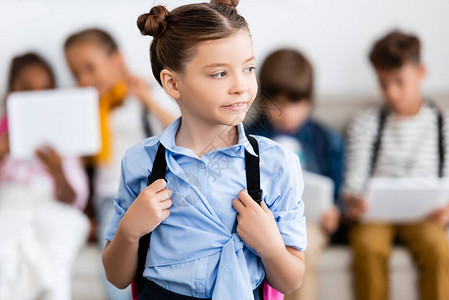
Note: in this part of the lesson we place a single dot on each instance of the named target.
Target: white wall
(335, 34)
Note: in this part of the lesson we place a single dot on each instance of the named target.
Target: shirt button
(199, 286)
(202, 165)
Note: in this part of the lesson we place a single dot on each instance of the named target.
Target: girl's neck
(202, 136)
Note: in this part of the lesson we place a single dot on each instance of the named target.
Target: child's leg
(62, 231)
(429, 247)
(316, 241)
(371, 245)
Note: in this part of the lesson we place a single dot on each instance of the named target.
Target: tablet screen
(65, 119)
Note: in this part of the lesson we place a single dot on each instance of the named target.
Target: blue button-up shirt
(196, 250)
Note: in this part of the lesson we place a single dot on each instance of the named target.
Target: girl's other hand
(355, 207)
(149, 209)
(257, 226)
(330, 219)
(4, 146)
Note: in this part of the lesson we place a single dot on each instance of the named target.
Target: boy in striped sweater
(402, 138)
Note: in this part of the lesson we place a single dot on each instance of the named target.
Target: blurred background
(335, 35)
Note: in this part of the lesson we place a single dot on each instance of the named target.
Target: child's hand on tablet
(257, 226)
(148, 210)
(52, 160)
(330, 220)
(355, 206)
(440, 216)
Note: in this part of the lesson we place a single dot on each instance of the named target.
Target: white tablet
(400, 200)
(318, 195)
(65, 119)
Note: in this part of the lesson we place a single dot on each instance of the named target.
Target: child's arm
(285, 269)
(148, 210)
(4, 145)
(284, 266)
(4, 139)
(141, 90)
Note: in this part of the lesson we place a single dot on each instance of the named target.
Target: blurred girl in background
(42, 226)
(128, 114)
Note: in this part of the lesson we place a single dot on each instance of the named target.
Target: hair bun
(229, 3)
(154, 22)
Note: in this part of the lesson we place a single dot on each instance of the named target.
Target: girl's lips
(236, 106)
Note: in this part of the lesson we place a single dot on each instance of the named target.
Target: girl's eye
(219, 74)
(250, 69)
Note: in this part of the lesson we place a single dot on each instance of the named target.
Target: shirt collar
(167, 139)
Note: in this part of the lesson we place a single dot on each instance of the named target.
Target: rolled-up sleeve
(287, 205)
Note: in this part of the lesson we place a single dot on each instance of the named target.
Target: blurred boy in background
(285, 104)
(403, 137)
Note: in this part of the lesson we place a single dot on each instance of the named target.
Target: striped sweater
(409, 147)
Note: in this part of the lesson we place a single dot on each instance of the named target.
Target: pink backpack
(271, 294)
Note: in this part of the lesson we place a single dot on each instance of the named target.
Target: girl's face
(32, 78)
(219, 84)
(91, 65)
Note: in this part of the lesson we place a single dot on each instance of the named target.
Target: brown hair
(287, 72)
(394, 50)
(20, 62)
(93, 35)
(176, 33)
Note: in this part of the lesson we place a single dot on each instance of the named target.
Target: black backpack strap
(253, 171)
(441, 138)
(158, 172)
(441, 144)
(378, 140)
(253, 183)
(159, 166)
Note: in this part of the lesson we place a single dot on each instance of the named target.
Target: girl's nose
(239, 85)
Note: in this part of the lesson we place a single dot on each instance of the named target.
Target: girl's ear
(168, 80)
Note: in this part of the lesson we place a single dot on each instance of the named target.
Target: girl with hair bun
(209, 236)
